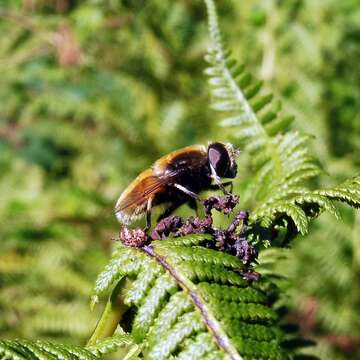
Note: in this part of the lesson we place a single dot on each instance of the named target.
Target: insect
(177, 178)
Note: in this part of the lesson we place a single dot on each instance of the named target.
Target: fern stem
(110, 317)
(211, 322)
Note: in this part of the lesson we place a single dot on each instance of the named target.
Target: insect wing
(133, 200)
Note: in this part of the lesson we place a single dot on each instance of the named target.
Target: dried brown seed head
(133, 237)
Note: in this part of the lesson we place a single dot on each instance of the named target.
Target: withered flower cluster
(133, 237)
(232, 240)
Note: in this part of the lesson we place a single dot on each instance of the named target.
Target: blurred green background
(92, 92)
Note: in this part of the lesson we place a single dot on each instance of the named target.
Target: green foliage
(114, 344)
(282, 163)
(334, 253)
(332, 248)
(41, 350)
(189, 301)
(341, 96)
(280, 159)
(70, 115)
(44, 350)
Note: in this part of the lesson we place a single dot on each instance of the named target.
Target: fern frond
(113, 344)
(186, 325)
(193, 293)
(198, 347)
(58, 318)
(151, 304)
(280, 158)
(256, 118)
(42, 350)
(277, 155)
(348, 192)
(177, 305)
(45, 350)
(178, 254)
(270, 214)
(113, 272)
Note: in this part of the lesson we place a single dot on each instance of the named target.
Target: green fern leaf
(279, 209)
(280, 158)
(113, 344)
(45, 350)
(195, 293)
(42, 350)
(348, 192)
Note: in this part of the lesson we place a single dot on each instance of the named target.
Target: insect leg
(194, 205)
(217, 187)
(148, 214)
(169, 210)
(186, 191)
(217, 180)
(194, 198)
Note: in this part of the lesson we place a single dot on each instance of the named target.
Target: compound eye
(219, 158)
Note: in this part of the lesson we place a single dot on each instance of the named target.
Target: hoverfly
(177, 178)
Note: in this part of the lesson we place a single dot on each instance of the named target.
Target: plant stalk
(111, 316)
